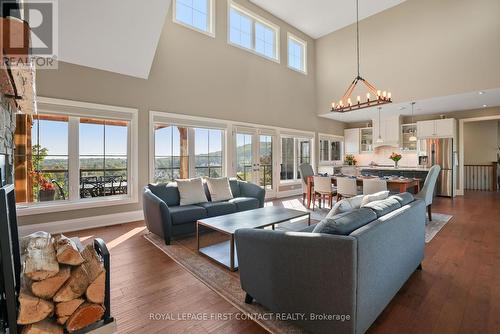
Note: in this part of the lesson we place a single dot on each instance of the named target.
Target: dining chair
(305, 171)
(427, 192)
(346, 187)
(324, 188)
(372, 186)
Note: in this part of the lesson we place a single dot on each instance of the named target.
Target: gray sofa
(166, 218)
(355, 274)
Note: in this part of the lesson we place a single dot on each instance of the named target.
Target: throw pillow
(383, 207)
(345, 205)
(191, 191)
(403, 198)
(219, 189)
(346, 223)
(374, 197)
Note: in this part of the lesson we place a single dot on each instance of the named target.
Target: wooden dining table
(396, 184)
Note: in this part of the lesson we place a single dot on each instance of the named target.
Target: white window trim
(330, 138)
(255, 17)
(211, 18)
(51, 106)
(296, 39)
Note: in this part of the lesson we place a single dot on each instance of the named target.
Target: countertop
(402, 168)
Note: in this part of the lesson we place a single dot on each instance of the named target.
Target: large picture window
(185, 152)
(62, 159)
(297, 51)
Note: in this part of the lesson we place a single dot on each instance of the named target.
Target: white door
(253, 158)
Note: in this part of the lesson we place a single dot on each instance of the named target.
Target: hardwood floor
(458, 290)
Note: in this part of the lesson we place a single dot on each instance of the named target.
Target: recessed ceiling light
(481, 93)
(485, 106)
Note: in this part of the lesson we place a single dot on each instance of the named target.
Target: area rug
(439, 220)
(222, 281)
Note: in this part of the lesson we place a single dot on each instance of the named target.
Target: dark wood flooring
(458, 290)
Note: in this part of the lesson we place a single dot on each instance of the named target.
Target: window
(66, 161)
(185, 152)
(208, 152)
(297, 51)
(250, 32)
(41, 158)
(294, 152)
(171, 153)
(103, 157)
(196, 14)
(330, 149)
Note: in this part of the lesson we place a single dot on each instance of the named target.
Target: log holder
(10, 273)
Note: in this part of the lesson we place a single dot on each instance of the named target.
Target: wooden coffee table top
(257, 218)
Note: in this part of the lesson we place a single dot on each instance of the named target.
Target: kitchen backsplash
(381, 157)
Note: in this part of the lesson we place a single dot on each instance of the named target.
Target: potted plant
(47, 191)
(350, 160)
(395, 157)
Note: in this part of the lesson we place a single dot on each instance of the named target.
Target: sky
(54, 137)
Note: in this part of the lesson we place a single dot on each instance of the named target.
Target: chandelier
(379, 97)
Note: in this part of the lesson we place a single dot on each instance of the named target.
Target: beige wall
(417, 50)
(480, 142)
(196, 75)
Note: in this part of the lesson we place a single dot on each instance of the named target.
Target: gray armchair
(427, 192)
(305, 171)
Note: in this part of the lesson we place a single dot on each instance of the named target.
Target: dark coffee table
(224, 252)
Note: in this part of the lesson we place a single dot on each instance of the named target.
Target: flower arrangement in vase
(395, 157)
(350, 160)
(47, 191)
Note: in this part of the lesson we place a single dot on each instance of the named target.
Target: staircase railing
(481, 177)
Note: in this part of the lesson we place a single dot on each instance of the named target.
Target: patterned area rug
(439, 220)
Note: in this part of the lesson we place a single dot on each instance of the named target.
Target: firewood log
(47, 288)
(95, 291)
(92, 264)
(43, 327)
(67, 251)
(33, 309)
(75, 286)
(62, 320)
(65, 309)
(39, 256)
(84, 316)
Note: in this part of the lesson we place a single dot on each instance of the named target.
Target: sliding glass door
(253, 158)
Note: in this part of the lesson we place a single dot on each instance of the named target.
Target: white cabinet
(441, 128)
(351, 141)
(388, 129)
(426, 129)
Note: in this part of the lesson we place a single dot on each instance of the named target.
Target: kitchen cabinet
(407, 131)
(351, 141)
(388, 129)
(440, 128)
(366, 145)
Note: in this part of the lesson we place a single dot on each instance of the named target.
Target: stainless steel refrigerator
(440, 152)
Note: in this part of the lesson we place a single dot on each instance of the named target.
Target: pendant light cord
(357, 32)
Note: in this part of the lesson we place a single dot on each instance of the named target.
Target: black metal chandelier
(379, 97)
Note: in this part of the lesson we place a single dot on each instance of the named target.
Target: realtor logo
(29, 32)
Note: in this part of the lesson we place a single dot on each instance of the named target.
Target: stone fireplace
(7, 128)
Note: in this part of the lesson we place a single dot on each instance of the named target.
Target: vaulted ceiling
(321, 17)
(114, 35)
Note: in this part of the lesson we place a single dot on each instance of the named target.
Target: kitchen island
(408, 172)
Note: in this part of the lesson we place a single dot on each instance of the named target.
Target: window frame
(76, 110)
(330, 139)
(255, 18)
(303, 43)
(296, 140)
(211, 19)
